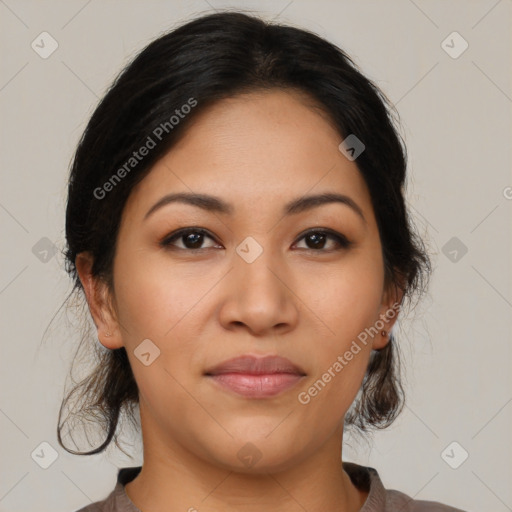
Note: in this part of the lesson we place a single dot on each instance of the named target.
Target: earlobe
(97, 295)
(381, 339)
(390, 308)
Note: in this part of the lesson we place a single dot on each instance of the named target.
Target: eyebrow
(217, 205)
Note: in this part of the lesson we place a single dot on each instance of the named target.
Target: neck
(172, 478)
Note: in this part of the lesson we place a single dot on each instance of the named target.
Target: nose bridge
(259, 297)
(256, 263)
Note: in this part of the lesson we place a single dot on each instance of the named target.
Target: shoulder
(106, 505)
(98, 506)
(396, 500)
(381, 499)
(117, 500)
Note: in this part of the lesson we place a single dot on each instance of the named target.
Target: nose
(259, 296)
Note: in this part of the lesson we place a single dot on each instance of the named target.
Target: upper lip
(256, 366)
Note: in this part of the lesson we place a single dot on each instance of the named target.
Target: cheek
(152, 304)
(161, 302)
(349, 302)
(350, 298)
(152, 297)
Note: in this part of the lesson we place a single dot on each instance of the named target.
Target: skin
(256, 151)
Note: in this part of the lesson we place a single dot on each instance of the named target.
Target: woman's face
(249, 279)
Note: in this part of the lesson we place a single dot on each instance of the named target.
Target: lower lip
(257, 386)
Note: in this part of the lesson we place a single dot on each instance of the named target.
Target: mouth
(256, 377)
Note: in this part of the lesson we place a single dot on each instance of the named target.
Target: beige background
(456, 115)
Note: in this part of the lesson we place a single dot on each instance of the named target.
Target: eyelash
(341, 240)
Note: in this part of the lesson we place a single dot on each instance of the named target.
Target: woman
(236, 222)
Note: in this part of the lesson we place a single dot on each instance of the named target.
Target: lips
(256, 366)
(256, 377)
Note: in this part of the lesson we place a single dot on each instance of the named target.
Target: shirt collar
(364, 478)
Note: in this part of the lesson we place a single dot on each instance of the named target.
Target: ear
(388, 314)
(100, 304)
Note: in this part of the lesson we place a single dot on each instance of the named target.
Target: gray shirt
(364, 478)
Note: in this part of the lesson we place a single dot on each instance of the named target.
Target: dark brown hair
(214, 57)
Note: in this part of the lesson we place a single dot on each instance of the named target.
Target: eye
(193, 239)
(190, 238)
(316, 240)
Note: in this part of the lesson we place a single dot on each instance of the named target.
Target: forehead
(256, 150)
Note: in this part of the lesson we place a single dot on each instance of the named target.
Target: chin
(250, 460)
(259, 454)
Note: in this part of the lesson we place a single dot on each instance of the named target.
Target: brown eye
(188, 239)
(318, 239)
